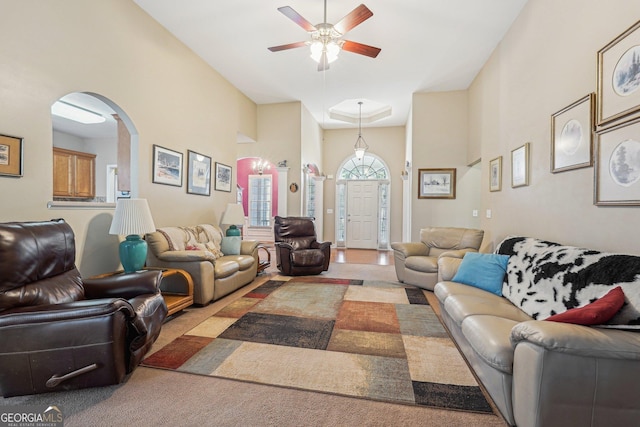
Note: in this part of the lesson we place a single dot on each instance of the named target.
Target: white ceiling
(427, 45)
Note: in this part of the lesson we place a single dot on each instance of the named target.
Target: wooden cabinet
(74, 174)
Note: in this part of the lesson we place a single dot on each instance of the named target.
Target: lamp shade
(132, 218)
(233, 216)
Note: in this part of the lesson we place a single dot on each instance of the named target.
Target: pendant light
(361, 146)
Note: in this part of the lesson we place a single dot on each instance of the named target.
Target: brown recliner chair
(59, 332)
(298, 252)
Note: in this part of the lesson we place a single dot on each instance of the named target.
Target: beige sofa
(416, 263)
(545, 373)
(197, 250)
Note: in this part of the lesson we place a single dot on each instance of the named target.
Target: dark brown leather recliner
(297, 250)
(59, 332)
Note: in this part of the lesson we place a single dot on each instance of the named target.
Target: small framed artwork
(520, 166)
(619, 77)
(617, 165)
(167, 166)
(198, 173)
(223, 177)
(495, 174)
(572, 136)
(10, 156)
(437, 183)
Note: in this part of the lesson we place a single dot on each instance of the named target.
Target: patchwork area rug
(355, 338)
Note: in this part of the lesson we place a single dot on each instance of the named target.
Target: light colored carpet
(153, 397)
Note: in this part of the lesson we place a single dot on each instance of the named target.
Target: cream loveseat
(416, 263)
(197, 250)
(541, 372)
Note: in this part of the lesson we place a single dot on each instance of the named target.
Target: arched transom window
(369, 167)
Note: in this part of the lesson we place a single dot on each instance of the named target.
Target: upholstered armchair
(297, 250)
(60, 332)
(417, 262)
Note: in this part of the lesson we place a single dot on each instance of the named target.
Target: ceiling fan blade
(323, 64)
(360, 48)
(287, 46)
(355, 17)
(297, 18)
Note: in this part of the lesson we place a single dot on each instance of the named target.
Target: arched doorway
(362, 203)
(95, 150)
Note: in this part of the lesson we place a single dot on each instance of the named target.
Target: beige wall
(51, 48)
(311, 141)
(279, 138)
(247, 117)
(386, 143)
(439, 140)
(547, 61)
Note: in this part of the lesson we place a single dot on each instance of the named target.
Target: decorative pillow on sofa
(595, 313)
(231, 245)
(484, 271)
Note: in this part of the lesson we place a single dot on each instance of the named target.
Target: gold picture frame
(495, 174)
(437, 183)
(617, 165)
(619, 78)
(572, 135)
(520, 166)
(10, 156)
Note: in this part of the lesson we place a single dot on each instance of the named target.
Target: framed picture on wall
(619, 77)
(520, 166)
(223, 177)
(495, 174)
(437, 183)
(617, 166)
(572, 136)
(198, 173)
(10, 156)
(167, 166)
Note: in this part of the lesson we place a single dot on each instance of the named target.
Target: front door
(362, 214)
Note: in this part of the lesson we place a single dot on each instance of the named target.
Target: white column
(283, 188)
(319, 206)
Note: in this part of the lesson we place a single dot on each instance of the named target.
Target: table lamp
(233, 216)
(132, 219)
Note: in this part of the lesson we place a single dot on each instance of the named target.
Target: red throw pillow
(595, 313)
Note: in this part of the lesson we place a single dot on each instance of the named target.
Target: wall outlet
(488, 213)
(329, 210)
(474, 213)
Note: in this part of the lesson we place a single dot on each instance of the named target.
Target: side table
(264, 263)
(176, 287)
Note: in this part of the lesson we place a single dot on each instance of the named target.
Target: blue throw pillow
(231, 245)
(484, 271)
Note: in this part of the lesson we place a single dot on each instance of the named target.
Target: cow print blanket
(545, 278)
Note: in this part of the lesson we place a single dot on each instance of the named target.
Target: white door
(362, 214)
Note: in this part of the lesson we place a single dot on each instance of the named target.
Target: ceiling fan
(326, 39)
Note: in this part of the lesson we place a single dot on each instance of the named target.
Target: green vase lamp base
(133, 253)
(233, 231)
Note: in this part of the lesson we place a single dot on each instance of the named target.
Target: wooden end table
(264, 263)
(176, 287)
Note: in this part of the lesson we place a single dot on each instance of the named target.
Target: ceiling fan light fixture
(331, 48)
